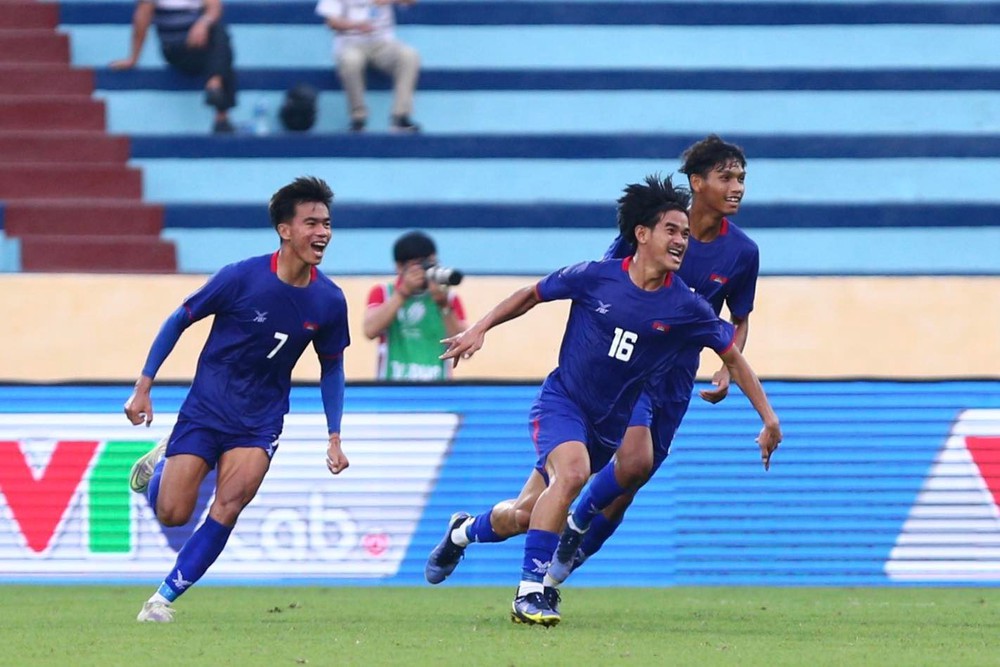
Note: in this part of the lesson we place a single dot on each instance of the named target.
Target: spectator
(411, 315)
(193, 40)
(366, 37)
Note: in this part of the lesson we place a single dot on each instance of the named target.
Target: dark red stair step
(114, 254)
(29, 15)
(45, 79)
(33, 46)
(82, 217)
(69, 181)
(62, 146)
(37, 112)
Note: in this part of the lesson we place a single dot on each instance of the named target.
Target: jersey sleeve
(741, 295)
(706, 329)
(619, 249)
(334, 336)
(377, 295)
(210, 298)
(566, 283)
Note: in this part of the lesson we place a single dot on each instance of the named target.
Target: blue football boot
(446, 555)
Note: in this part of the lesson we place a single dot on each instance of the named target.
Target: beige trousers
(398, 60)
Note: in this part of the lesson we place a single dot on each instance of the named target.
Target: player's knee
(571, 480)
(227, 510)
(173, 515)
(632, 472)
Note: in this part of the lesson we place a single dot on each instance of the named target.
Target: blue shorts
(553, 420)
(662, 423)
(209, 444)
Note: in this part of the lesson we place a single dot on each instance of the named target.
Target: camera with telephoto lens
(441, 275)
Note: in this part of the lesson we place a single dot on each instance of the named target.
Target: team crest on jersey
(259, 316)
(602, 307)
(716, 278)
(310, 326)
(661, 327)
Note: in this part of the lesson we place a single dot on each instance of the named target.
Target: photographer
(411, 315)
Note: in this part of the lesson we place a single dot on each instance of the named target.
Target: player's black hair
(413, 245)
(302, 190)
(709, 154)
(644, 203)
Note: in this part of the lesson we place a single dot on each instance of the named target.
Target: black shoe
(223, 126)
(214, 97)
(552, 596)
(358, 125)
(403, 124)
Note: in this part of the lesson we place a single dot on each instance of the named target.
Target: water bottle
(261, 119)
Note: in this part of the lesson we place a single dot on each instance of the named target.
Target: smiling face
(308, 233)
(721, 189)
(665, 244)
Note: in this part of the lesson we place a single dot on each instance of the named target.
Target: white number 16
(621, 346)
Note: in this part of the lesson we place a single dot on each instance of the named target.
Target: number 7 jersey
(261, 328)
(620, 336)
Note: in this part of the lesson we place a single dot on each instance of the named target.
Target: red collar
(627, 262)
(274, 267)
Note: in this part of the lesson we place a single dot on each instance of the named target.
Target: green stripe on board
(110, 519)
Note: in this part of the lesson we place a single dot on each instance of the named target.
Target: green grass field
(470, 626)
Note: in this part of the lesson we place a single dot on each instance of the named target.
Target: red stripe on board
(38, 505)
(986, 453)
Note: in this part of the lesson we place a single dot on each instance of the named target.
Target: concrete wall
(99, 327)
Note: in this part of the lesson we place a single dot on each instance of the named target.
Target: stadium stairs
(858, 133)
(69, 196)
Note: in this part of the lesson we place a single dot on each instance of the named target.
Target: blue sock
(481, 530)
(600, 493)
(153, 490)
(539, 545)
(195, 558)
(600, 530)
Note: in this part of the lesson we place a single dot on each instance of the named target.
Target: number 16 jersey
(620, 336)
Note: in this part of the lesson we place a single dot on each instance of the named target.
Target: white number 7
(282, 338)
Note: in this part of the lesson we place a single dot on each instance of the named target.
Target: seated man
(366, 37)
(193, 40)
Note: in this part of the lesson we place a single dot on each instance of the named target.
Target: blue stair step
(596, 13)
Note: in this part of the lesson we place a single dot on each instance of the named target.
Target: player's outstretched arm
(467, 343)
(331, 383)
(746, 379)
(139, 406)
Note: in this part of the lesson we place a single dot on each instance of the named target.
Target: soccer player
(629, 322)
(267, 310)
(721, 264)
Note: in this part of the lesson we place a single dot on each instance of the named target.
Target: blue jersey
(262, 326)
(619, 336)
(723, 270)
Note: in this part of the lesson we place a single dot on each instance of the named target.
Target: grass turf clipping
(92, 625)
